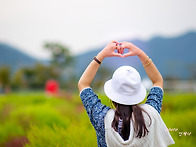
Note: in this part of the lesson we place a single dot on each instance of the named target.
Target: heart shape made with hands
(121, 48)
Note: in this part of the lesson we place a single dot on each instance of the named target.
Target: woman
(129, 124)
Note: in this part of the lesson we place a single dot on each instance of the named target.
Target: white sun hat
(125, 87)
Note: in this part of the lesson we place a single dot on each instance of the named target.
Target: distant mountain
(174, 57)
(12, 57)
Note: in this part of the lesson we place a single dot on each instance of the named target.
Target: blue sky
(83, 25)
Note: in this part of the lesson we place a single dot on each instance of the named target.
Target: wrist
(140, 53)
(143, 57)
(100, 56)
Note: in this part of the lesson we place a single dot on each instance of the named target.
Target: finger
(123, 45)
(117, 55)
(118, 47)
(127, 54)
(119, 44)
(120, 50)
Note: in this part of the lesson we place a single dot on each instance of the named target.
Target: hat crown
(126, 80)
(125, 87)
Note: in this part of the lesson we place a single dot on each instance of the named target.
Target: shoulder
(155, 97)
(148, 108)
(86, 91)
(87, 94)
(156, 90)
(151, 111)
(110, 114)
(109, 117)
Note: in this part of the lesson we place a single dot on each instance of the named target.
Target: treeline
(60, 68)
(35, 77)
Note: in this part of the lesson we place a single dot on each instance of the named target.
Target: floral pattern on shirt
(155, 97)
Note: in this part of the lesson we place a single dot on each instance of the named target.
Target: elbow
(161, 79)
(82, 85)
(79, 84)
(159, 82)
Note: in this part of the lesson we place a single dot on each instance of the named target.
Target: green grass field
(36, 120)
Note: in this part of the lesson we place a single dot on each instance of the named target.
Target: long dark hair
(125, 112)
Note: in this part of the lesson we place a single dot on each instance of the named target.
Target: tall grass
(54, 122)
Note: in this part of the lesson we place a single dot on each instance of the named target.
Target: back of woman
(129, 124)
(157, 136)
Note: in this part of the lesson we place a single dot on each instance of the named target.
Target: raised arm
(151, 70)
(90, 72)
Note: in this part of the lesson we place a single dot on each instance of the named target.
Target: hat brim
(122, 98)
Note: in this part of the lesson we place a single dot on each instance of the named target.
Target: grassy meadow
(33, 119)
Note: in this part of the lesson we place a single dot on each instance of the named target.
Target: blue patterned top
(97, 111)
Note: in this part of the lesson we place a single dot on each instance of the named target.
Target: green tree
(42, 74)
(60, 54)
(4, 76)
(18, 80)
(34, 77)
(63, 62)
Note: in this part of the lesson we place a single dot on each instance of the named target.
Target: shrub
(77, 134)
